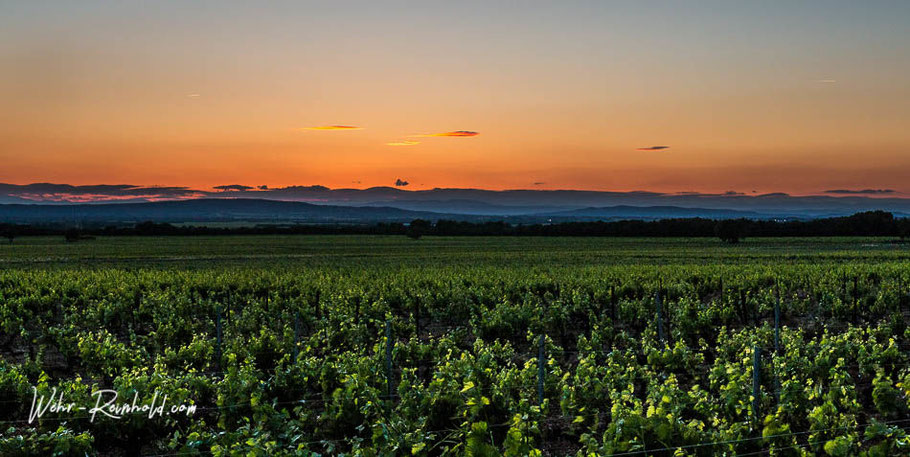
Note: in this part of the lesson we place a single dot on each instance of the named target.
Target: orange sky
(770, 97)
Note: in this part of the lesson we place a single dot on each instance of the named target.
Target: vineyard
(385, 346)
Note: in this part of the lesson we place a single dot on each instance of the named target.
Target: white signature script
(106, 405)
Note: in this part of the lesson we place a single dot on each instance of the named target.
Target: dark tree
(730, 231)
(152, 228)
(904, 229)
(872, 223)
(71, 235)
(417, 228)
(9, 232)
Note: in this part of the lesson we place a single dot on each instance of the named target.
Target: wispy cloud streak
(653, 148)
(455, 133)
(333, 127)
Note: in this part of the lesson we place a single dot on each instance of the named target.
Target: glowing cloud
(403, 143)
(456, 133)
(653, 148)
(333, 127)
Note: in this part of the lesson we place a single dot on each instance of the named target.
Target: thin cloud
(233, 188)
(62, 193)
(456, 133)
(192, 95)
(401, 183)
(333, 127)
(100, 198)
(826, 81)
(653, 148)
(861, 191)
(539, 183)
(403, 143)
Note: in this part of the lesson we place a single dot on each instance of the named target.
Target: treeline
(871, 223)
(149, 228)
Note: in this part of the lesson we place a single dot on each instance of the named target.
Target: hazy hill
(655, 212)
(479, 202)
(206, 210)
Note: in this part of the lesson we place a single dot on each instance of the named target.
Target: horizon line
(218, 189)
(48, 192)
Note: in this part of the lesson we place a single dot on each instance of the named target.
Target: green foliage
(57, 443)
(467, 384)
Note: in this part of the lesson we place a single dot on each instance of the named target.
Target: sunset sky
(772, 96)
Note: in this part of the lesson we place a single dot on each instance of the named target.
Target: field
(475, 346)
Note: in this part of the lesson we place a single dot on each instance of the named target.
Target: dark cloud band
(861, 191)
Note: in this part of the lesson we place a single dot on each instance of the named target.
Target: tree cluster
(871, 223)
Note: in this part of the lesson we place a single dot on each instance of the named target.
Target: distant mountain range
(205, 210)
(318, 204)
(655, 212)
